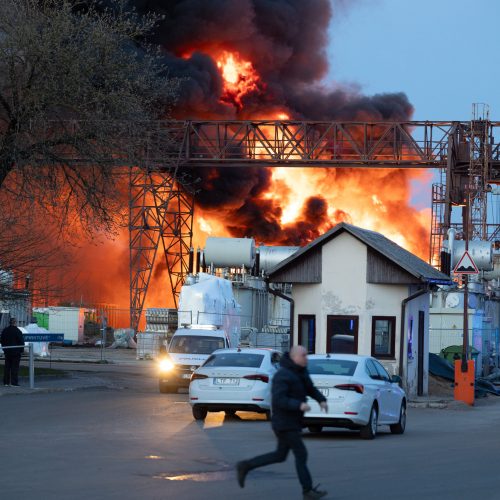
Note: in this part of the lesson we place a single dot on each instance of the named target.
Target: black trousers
(11, 369)
(287, 440)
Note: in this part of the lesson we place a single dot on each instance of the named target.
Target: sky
(444, 54)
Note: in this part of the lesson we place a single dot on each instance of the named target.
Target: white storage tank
(495, 273)
(230, 252)
(272, 256)
(480, 251)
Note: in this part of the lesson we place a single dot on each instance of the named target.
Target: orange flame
(376, 199)
(239, 77)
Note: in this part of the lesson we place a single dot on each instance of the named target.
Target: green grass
(24, 371)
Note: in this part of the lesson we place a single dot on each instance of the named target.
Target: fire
(372, 199)
(239, 77)
(292, 206)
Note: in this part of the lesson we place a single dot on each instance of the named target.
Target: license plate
(186, 375)
(325, 391)
(226, 381)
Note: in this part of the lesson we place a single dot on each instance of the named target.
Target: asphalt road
(138, 444)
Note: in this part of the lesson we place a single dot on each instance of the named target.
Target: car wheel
(165, 389)
(400, 427)
(369, 431)
(315, 429)
(230, 413)
(199, 413)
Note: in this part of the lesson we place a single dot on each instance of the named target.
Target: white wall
(385, 300)
(410, 364)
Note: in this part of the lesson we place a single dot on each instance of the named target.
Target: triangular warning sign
(466, 265)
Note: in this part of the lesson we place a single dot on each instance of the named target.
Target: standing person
(290, 387)
(11, 335)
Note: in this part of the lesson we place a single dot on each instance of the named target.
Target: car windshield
(331, 367)
(235, 359)
(195, 344)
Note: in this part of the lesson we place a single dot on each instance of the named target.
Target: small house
(355, 291)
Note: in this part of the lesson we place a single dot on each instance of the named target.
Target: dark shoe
(314, 493)
(241, 473)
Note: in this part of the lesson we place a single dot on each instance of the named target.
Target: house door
(342, 334)
(420, 356)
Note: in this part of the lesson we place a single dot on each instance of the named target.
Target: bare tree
(77, 88)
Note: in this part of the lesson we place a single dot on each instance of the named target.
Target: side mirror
(396, 379)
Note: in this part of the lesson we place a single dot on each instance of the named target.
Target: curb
(69, 360)
(440, 405)
(48, 390)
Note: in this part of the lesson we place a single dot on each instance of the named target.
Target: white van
(188, 350)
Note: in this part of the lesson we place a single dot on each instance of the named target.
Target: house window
(307, 332)
(383, 336)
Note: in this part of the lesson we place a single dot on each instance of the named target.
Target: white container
(230, 252)
(272, 256)
(69, 321)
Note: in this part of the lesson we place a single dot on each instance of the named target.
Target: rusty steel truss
(161, 212)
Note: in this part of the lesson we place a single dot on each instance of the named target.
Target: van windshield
(195, 344)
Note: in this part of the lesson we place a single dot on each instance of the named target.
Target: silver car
(360, 395)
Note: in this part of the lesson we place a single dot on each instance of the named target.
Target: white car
(234, 380)
(359, 392)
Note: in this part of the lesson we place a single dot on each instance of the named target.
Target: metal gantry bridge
(466, 153)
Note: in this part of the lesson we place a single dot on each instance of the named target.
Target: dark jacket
(291, 386)
(12, 336)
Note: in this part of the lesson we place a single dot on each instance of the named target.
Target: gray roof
(404, 259)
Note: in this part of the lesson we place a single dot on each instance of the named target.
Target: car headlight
(166, 365)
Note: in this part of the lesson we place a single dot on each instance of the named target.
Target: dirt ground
(440, 387)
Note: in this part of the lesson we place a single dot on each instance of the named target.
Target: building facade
(351, 288)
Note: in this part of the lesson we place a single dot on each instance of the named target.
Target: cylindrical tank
(272, 256)
(480, 251)
(495, 273)
(230, 252)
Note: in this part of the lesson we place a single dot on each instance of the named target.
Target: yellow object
(166, 365)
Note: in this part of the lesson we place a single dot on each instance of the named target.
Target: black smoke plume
(286, 42)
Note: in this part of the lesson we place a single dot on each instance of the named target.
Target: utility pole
(465, 344)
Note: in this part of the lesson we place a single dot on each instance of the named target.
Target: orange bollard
(464, 382)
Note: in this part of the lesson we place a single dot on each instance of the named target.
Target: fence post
(31, 366)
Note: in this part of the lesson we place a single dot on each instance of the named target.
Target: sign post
(464, 368)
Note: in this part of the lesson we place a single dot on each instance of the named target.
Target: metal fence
(102, 334)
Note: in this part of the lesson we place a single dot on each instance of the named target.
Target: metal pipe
(31, 366)
(451, 242)
(198, 260)
(402, 340)
(191, 260)
(465, 343)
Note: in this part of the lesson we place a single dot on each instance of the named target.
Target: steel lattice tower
(160, 218)
(161, 208)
